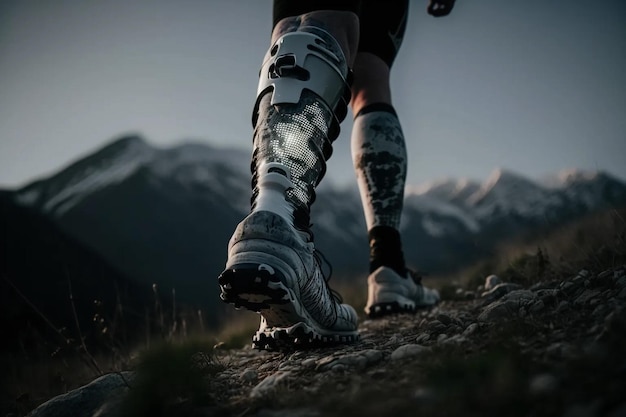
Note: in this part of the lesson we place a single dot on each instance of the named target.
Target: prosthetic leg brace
(302, 98)
(379, 157)
(272, 265)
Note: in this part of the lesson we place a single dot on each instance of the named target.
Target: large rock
(100, 398)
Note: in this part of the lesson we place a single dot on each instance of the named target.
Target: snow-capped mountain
(505, 193)
(189, 165)
(165, 215)
(452, 190)
(110, 165)
(587, 188)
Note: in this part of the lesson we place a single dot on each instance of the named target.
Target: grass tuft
(597, 242)
(170, 377)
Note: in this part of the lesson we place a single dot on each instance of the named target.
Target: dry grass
(174, 336)
(48, 361)
(237, 330)
(171, 377)
(597, 242)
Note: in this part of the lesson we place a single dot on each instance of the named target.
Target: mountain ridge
(165, 215)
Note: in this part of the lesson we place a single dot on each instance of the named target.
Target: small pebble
(491, 281)
(249, 375)
(444, 318)
(537, 307)
(408, 351)
(423, 337)
(471, 329)
(309, 363)
(543, 384)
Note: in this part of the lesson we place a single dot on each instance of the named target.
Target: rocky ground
(555, 348)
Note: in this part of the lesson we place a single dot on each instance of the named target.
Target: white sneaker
(274, 269)
(389, 293)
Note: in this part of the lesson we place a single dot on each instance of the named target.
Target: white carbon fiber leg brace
(302, 98)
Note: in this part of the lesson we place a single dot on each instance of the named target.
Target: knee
(371, 82)
(342, 25)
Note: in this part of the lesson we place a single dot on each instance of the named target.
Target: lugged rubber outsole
(379, 310)
(239, 284)
(298, 336)
(384, 309)
(259, 288)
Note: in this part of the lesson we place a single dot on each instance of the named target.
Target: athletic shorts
(382, 23)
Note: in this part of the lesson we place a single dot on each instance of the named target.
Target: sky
(531, 86)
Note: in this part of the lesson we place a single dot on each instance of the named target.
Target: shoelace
(321, 259)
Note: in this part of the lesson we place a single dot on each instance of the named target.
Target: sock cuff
(383, 232)
(384, 107)
(386, 249)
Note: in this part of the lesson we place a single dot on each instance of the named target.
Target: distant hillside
(164, 216)
(40, 267)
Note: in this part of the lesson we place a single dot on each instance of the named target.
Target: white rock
(499, 291)
(470, 329)
(269, 384)
(358, 360)
(408, 351)
(101, 397)
(249, 375)
(491, 281)
(309, 363)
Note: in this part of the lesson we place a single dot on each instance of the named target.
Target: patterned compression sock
(379, 157)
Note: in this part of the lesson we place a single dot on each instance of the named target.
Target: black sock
(386, 249)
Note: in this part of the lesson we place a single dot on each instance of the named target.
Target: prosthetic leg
(272, 265)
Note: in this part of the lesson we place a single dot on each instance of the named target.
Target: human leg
(380, 161)
(273, 267)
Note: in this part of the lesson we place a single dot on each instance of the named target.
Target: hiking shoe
(389, 292)
(274, 269)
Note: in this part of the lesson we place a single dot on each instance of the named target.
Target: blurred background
(116, 204)
(532, 86)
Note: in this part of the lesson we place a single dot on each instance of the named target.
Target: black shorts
(382, 22)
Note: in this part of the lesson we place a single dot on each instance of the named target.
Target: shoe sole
(385, 309)
(258, 288)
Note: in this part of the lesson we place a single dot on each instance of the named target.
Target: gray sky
(532, 86)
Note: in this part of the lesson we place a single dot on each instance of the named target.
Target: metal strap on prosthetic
(301, 100)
